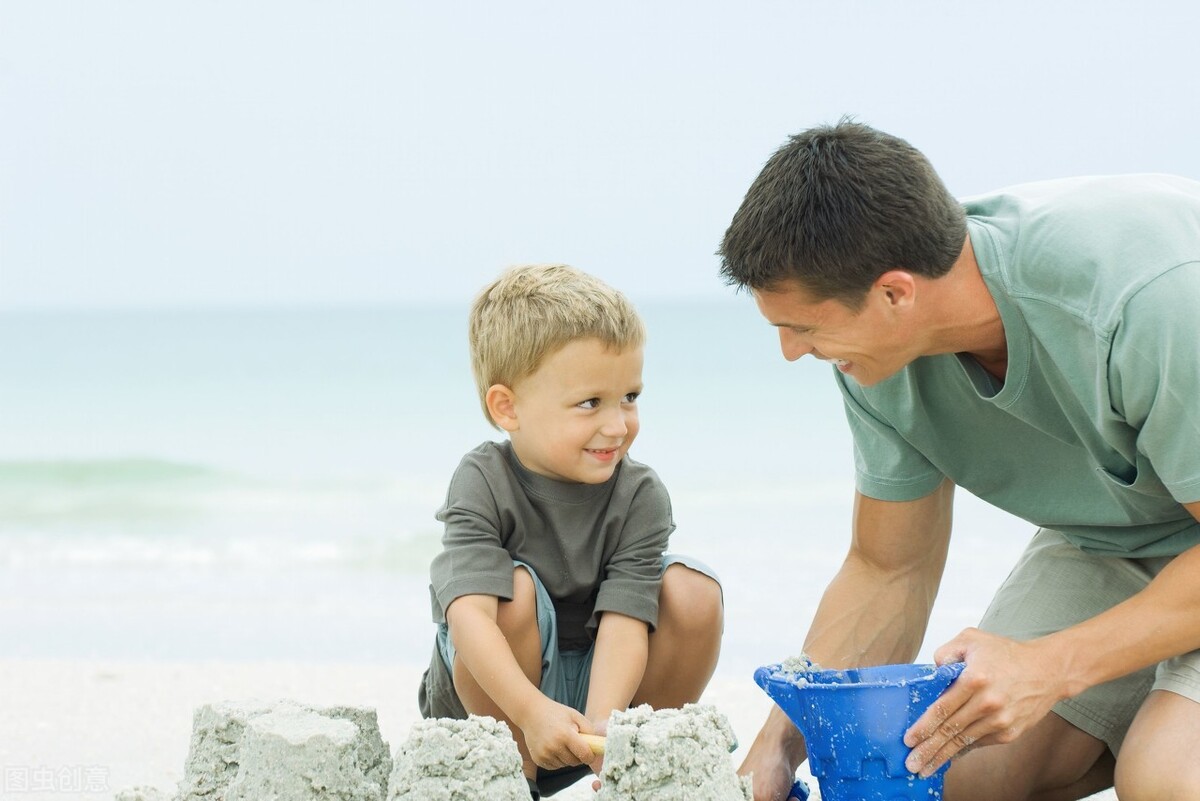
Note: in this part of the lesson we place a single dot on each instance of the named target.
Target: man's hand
(1006, 688)
(773, 758)
(552, 735)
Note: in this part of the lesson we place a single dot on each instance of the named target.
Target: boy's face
(574, 418)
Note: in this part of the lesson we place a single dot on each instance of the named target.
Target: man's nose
(793, 345)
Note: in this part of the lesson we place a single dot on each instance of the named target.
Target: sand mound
(671, 755)
(248, 752)
(458, 760)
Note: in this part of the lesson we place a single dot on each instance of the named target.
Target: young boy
(555, 601)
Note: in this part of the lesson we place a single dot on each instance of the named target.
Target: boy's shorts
(1056, 585)
(565, 674)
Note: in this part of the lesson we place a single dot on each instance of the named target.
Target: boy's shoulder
(488, 461)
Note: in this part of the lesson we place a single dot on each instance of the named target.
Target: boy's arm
(618, 663)
(551, 729)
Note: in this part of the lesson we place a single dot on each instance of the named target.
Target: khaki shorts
(1055, 585)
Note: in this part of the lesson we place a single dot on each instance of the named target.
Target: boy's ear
(502, 407)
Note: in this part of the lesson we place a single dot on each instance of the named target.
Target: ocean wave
(107, 473)
(409, 553)
(147, 512)
(149, 491)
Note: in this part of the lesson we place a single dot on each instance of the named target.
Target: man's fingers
(941, 710)
(955, 740)
(945, 722)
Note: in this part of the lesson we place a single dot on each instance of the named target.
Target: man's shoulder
(1083, 246)
(1086, 193)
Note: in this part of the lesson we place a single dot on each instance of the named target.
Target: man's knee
(1157, 759)
(1142, 776)
(1052, 760)
(690, 600)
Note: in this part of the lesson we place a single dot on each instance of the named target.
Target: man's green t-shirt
(1095, 430)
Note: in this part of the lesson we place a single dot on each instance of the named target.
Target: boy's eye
(590, 403)
(632, 397)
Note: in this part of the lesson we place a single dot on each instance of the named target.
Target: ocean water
(261, 484)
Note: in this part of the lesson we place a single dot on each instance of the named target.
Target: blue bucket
(853, 722)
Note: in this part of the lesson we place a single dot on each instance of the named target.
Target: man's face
(866, 345)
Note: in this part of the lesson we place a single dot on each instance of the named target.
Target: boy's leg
(518, 621)
(687, 641)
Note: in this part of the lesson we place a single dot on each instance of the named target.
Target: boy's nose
(614, 424)
(793, 345)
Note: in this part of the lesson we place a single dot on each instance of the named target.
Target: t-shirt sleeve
(633, 576)
(1154, 375)
(886, 466)
(472, 561)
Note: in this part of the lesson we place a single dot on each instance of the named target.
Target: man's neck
(964, 317)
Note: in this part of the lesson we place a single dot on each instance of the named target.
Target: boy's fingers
(582, 751)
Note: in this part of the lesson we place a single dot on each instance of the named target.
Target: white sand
(84, 730)
(671, 755)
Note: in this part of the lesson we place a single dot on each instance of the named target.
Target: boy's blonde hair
(531, 311)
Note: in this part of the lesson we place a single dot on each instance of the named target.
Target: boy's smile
(574, 418)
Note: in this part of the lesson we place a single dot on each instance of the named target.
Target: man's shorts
(565, 674)
(1056, 585)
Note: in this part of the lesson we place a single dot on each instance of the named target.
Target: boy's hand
(552, 735)
(596, 761)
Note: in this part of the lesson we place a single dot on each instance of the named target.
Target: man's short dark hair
(836, 207)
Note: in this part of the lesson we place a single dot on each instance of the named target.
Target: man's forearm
(871, 617)
(1161, 621)
(877, 607)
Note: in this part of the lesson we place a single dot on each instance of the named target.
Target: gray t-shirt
(1095, 430)
(596, 547)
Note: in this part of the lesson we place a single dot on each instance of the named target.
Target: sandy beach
(89, 729)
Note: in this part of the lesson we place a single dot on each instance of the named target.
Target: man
(1038, 347)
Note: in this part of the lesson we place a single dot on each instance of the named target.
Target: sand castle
(458, 760)
(285, 750)
(671, 755)
(250, 752)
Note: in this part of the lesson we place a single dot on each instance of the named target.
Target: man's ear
(501, 405)
(898, 287)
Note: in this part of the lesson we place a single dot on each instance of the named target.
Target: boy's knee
(521, 611)
(690, 598)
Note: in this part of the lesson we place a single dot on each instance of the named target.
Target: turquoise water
(262, 484)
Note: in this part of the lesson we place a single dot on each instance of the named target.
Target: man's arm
(873, 612)
(1008, 686)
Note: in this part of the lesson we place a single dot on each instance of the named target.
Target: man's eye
(632, 397)
(590, 403)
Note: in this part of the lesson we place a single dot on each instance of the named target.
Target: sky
(200, 154)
